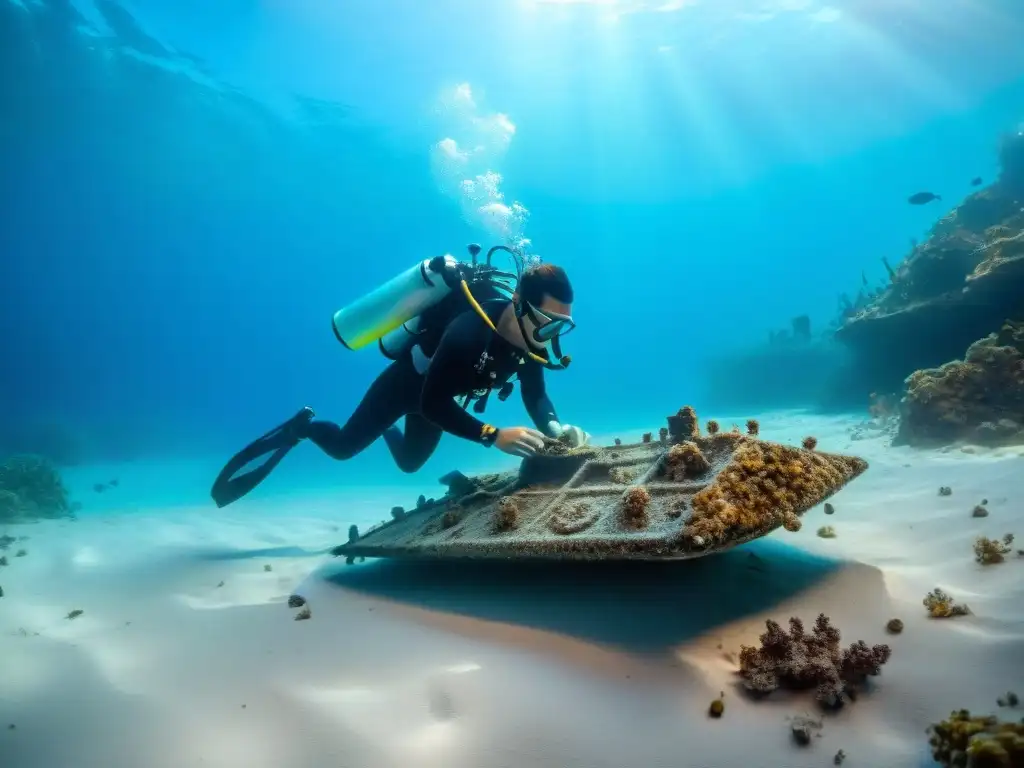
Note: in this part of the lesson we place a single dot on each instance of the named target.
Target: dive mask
(546, 334)
(548, 326)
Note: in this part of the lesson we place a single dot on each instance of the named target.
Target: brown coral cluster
(979, 398)
(684, 425)
(765, 485)
(964, 740)
(685, 461)
(796, 659)
(634, 507)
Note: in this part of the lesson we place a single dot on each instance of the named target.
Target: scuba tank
(391, 315)
(399, 300)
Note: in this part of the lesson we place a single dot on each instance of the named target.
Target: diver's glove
(574, 436)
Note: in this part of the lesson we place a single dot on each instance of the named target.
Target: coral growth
(991, 551)
(827, 532)
(621, 475)
(796, 659)
(972, 741)
(765, 485)
(717, 708)
(894, 626)
(30, 489)
(572, 517)
(646, 438)
(958, 285)
(506, 514)
(753, 427)
(810, 443)
(712, 427)
(634, 507)
(979, 398)
(684, 425)
(941, 606)
(685, 461)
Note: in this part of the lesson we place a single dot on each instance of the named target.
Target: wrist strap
(488, 435)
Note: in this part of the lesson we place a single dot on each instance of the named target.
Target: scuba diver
(452, 331)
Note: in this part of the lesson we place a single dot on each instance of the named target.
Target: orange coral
(753, 427)
(506, 514)
(810, 443)
(685, 460)
(765, 485)
(712, 427)
(634, 507)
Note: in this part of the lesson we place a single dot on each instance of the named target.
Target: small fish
(976, 181)
(99, 487)
(922, 198)
(114, 483)
(864, 278)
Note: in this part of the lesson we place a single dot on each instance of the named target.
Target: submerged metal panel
(674, 499)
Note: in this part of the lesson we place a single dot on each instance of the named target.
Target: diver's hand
(574, 436)
(519, 441)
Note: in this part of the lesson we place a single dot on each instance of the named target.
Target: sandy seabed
(186, 653)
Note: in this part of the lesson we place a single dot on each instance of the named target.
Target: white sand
(481, 665)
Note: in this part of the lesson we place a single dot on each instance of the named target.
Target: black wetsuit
(466, 356)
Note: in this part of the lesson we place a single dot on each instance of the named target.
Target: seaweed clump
(753, 427)
(991, 551)
(30, 489)
(685, 460)
(810, 443)
(763, 486)
(712, 427)
(796, 659)
(634, 507)
(973, 741)
(941, 606)
(506, 515)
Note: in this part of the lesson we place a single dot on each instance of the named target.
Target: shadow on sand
(641, 606)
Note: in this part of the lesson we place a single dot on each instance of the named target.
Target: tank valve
(474, 251)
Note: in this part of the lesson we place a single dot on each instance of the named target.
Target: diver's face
(546, 322)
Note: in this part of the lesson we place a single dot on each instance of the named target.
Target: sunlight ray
(708, 123)
(888, 56)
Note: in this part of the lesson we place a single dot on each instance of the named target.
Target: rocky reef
(979, 399)
(962, 283)
(31, 489)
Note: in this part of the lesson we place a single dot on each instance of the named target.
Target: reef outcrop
(979, 399)
(960, 284)
(31, 489)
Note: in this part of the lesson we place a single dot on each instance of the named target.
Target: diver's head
(544, 308)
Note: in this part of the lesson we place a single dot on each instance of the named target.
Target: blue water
(189, 192)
